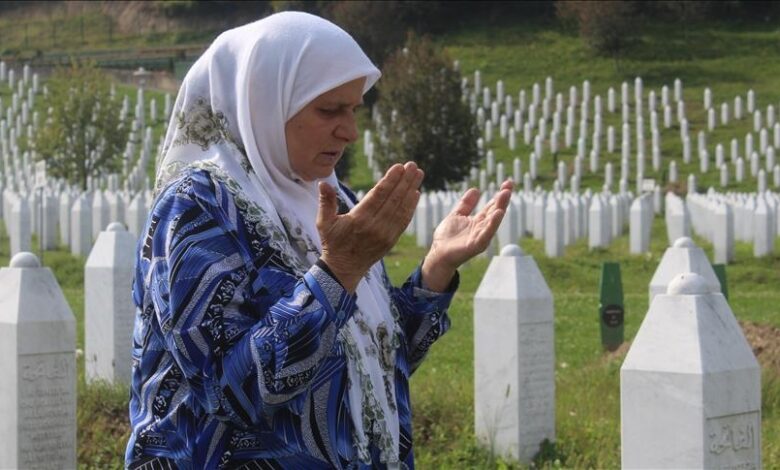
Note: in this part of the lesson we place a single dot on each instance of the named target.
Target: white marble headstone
(514, 357)
(639, 235)
(553, 228)
(81, 226)
(424, 221)
(20, 233)
(136, 214)
(108, 306)
(65, 203)
(508, 230)
(50, 220)
(678, 223)
(38, 390)
(763, 229)
(723, 233)
(682, 257)
(690, 386)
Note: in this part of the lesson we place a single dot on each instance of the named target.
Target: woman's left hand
(461, 236)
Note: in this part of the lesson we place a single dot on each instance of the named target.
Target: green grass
(90, 31)
(727, 58)
(587, 379)
(730, 60)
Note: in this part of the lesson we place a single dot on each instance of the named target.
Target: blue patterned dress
(237, 361)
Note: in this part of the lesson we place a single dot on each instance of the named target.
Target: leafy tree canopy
(422, 116)
(83, 135)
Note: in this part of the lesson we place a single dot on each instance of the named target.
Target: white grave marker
(514, 357)
(109, 311)
(690, 386)
(38, 390)
(682, 257)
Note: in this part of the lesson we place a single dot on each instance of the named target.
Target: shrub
(606, 26)
(422, 117)
(83, 135)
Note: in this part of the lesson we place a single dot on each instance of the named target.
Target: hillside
(729, 58)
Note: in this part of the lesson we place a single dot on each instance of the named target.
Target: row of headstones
(751, 158)
(558, 218)
(534, 158)
(505, 101)
(562, 218)
(739, 168)
(690, 384)
(38, 345)
(140, 107)
(146, 155)
(69, 218)
(18, 120)
(482, 176)
(723, 219)
(514, 356)
(508, 132)
(16, 167)
(32, 80)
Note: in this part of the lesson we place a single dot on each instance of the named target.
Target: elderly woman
(267, 333)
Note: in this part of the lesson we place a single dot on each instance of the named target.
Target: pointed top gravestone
(690, 386)
(20, 229)
(109, 311)
(682, 257)
(722, 220)
(514, 357)
(424, 221)
(81, 226)
(38, 390)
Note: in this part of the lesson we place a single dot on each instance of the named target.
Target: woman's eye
(329, 111)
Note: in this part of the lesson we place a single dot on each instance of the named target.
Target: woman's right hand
(353, 242)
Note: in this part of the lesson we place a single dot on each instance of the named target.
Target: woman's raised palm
(461, 236)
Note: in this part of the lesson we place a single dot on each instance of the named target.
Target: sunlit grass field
(729, 59)
(587, 379)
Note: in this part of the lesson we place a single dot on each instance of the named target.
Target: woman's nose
(347, 129)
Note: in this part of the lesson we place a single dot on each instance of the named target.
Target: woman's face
(317, 135)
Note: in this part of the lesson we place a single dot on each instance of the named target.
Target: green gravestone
(720, 272)
(611, 311)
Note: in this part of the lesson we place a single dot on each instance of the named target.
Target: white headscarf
(229, 118)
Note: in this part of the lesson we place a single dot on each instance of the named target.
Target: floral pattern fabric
(239, 357)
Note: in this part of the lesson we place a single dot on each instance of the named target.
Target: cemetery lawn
(730, 60)
(587, 379)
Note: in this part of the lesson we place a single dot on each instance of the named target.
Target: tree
(422, 115)
(84, 134)
(606, 26)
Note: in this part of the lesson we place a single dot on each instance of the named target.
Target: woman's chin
(318, 174)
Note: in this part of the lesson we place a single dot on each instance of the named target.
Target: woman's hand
(353, 242)
(461, 236)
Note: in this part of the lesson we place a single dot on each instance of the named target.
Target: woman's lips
(331, 157)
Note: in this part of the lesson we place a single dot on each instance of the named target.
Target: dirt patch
(765, 341)
(619, 353)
